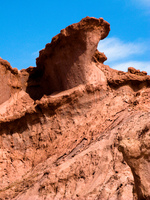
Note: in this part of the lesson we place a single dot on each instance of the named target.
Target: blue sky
(26, 26)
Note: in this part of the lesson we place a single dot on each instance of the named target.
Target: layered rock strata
(73, 128)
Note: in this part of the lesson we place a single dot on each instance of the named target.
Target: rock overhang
(66, 61)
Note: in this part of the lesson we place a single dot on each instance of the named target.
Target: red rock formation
(8, 80)
(72, 66)
(67, 135)
(132, 70)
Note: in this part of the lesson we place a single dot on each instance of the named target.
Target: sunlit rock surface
(72, 127)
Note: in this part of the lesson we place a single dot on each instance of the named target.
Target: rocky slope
(73, 128)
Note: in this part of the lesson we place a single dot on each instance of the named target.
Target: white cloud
(35, 54)
(121, 55)
(115, 49)
(142, 2)
(146, 2)
(144, 66)
(143, 5)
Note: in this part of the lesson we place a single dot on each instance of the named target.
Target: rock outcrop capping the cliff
(72, 127)
(76, 45)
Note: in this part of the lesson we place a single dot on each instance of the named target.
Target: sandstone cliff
(72, 127)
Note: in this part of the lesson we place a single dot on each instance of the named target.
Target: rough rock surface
(73, 128)
(8, 80)
(72, 66)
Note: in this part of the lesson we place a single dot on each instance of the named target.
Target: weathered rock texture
(72, 66)
(73, 128)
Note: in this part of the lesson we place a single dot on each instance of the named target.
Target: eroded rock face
(9, 81)
(132, 70)
(135, 146)
(72, 66)
(90, 140)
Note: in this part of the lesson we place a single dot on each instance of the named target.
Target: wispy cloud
(142, 5)
(115, 49)
(35, 54)
(121, 55)
(144, 66)
(142, 2)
